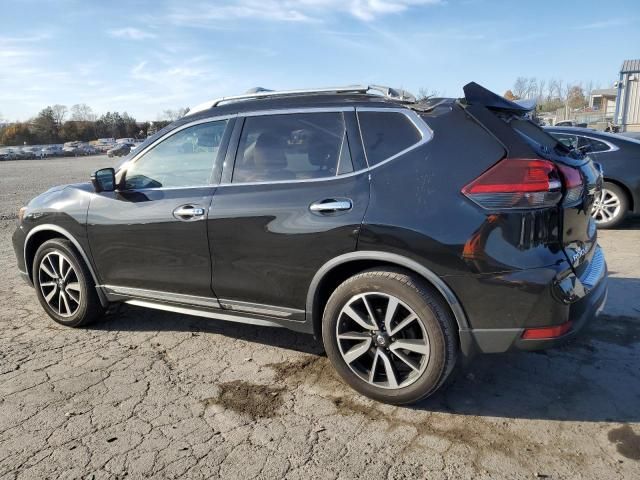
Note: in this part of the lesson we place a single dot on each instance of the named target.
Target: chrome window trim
(612, 147)
(425, 131)
(193, 123)
(422, 127)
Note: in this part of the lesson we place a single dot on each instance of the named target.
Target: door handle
(331, 205)
(189, 212)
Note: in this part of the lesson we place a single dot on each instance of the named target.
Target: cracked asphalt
(154, 394)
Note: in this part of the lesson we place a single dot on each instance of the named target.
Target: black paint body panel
(260, 247)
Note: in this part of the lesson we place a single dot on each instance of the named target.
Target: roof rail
(260, 92)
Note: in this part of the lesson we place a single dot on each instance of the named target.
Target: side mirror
(104, 180)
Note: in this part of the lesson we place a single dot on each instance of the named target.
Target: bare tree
(59, 112)
(552, 88)
(424, 93)
(532, 87)
(82, 112)
(520, 87)
(173, 115)
(541, 87)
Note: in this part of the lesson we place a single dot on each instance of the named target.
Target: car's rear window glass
(566, 139)
(597, 145)
(386, 134)
(295, 146)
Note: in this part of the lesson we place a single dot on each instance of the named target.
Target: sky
(143, 57)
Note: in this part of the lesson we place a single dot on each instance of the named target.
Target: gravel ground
(147, 393)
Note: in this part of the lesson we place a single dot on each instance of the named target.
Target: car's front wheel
(64, 285)
(390, 336)
(611, 207)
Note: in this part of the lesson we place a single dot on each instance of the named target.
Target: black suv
(403, 234)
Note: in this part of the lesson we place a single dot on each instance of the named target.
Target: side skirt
(230, 311)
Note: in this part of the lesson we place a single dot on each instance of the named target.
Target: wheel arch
(337, 270)
(40, 234)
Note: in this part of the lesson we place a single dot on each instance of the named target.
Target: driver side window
(184, 159)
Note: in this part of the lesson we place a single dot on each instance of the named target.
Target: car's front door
(150, 234)
(293, 197)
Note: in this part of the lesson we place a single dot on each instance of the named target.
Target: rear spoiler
(475, 94)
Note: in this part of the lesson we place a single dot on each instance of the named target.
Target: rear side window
(386, 134)
(597, 145)
(566, 139)
(294, 146)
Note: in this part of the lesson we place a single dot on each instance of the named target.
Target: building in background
(627, 113)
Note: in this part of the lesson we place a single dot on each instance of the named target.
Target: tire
(79, 305)
(611, 208)
(431, 336)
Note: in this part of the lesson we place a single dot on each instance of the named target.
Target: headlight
(21, 214)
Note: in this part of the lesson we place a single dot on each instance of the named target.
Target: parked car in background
(53, 151)
(402, 234)
(634, 135)
(120, 150)
(71, 151)
(6, 154)
(104, 144)
(32, 152)
(570, 123)
(130, 141)
(87, 149)
(620, 159)
(19, 154)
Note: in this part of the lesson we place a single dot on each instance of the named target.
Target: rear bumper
(579, 300)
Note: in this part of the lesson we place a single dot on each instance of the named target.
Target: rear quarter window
(385, 134)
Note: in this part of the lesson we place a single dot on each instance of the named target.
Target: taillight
(517, 183)
(572, 182)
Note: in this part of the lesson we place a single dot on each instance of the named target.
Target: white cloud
(205, 14)
(616, 22)
(131, 33)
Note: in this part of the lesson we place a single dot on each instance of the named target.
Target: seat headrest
(268, 151)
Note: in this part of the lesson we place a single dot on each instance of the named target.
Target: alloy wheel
(59, 284)
(606, 207)
(382, 340)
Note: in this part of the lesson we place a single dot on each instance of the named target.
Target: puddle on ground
(627, 442)
(257, 401)
(311, 370)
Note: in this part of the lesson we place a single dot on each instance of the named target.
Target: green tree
(45, 128)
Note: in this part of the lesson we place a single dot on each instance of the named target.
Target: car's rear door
(293, 196)
(149, 237)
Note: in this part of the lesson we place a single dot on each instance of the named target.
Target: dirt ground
(149, 393)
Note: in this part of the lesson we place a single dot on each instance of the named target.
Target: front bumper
(580, 300)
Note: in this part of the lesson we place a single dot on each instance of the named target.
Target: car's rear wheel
(390, 336)
(610, 209)
(64, 285)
